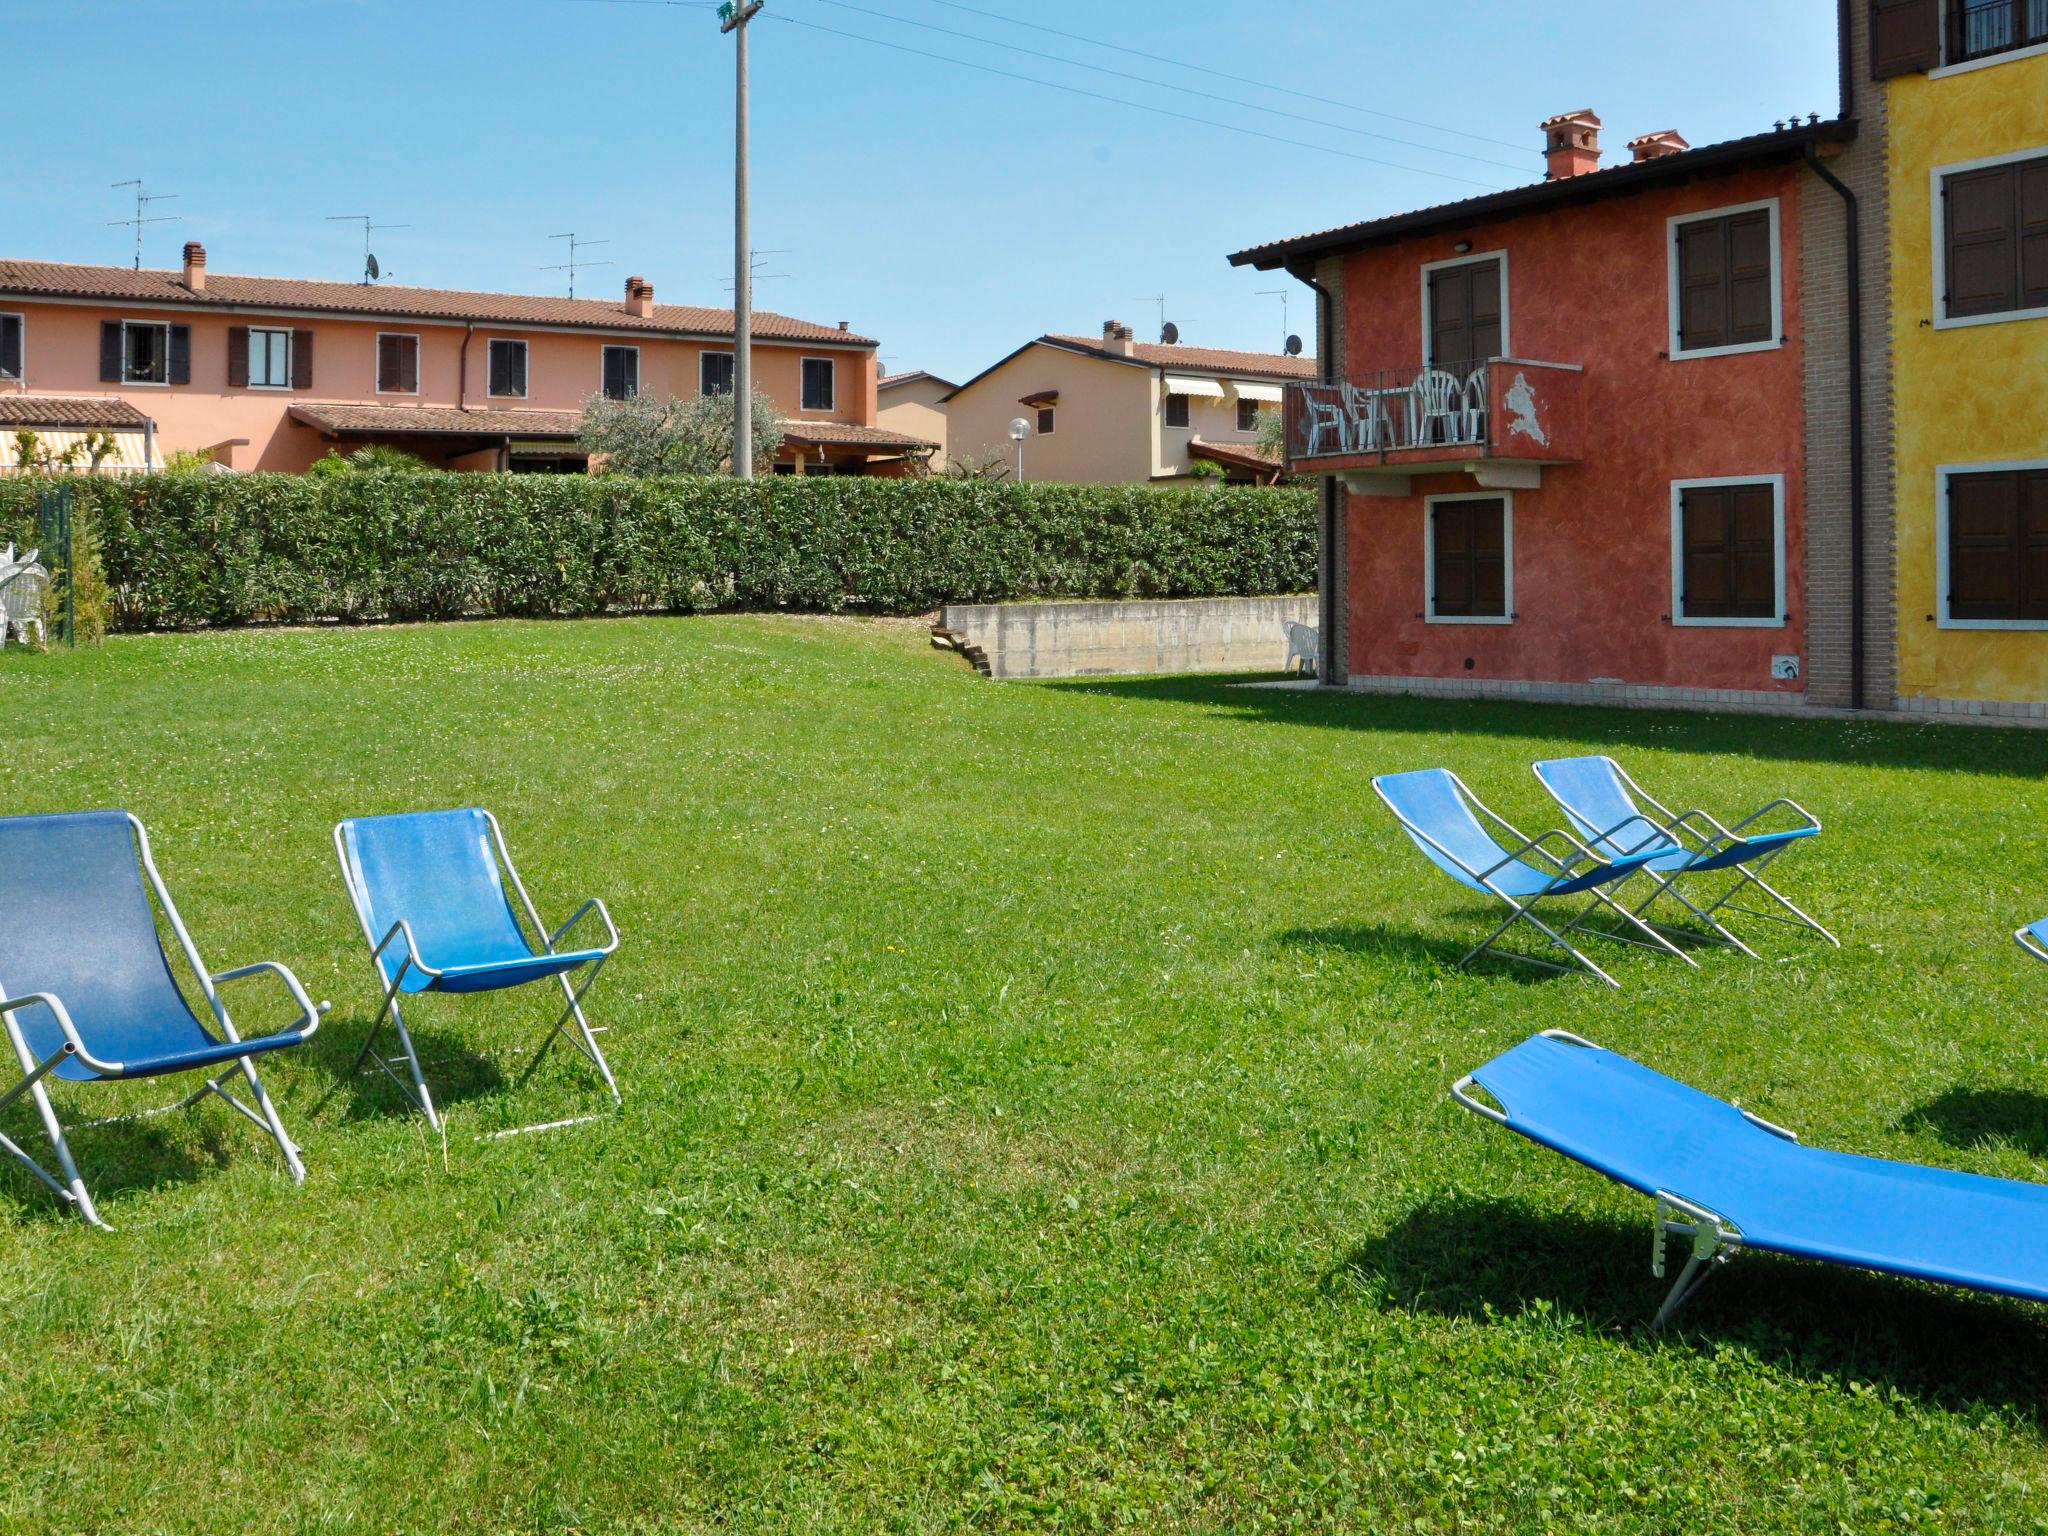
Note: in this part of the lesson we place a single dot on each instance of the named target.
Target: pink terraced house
(270, 372)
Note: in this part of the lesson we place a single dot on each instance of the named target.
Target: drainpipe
(1327, 362)
(462, 381)
(1853, 295)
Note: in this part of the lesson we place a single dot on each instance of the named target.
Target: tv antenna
(755, 263)
(1281, 295)
(142, 214)
(371, 271)
(1160, 300)
(572, 263)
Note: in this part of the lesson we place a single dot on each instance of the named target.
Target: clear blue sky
(951, 212)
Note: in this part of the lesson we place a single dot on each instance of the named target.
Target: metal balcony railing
(1390, 409)
(1977, 29)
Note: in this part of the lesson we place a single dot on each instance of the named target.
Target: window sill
(1468, 619)
(407, 394)
(2035, 625)
(504, 397)
(1963, 322)
(1688, 623)
(2032, 51)
(1689, 354)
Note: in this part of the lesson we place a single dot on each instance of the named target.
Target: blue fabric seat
(430, 890)
(76, 925)
(2034, 939)
(1732, 1181)
(1616, 817)
(1442, 818)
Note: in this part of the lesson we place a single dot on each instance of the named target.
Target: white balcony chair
(1437, 396)
(1371, 430)
(23, 586)
(1323, 416)
(1476, 402)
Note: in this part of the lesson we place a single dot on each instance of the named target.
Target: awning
(131, 450)
(1205, 389)
(1267, 392)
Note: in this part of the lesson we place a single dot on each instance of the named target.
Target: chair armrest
(412, 950)
(596, 905)
(50, 1001)
(1779, 804)
(1460, 1092)
(309, 1011)
(2024, 937)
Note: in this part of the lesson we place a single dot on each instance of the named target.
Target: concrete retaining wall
(1207, 634)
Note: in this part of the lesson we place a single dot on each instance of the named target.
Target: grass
(1035, 1119)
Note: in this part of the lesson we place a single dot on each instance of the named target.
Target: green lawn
(1035, 1117)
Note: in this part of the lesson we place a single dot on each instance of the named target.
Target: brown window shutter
(1753, 552)
(1905, 37)
(1980, 244)
(110, 351)
(1469, 554)
(10, 346)
(2034, 544)
(2033, 233)
(1704, 518)
(1702, 285)
(1749, 277)
(302, 359)
(1489, 559)
(409, 364)
(181, 354)
(387, 363)
(1983, 538)
(238, 357)
(1453, 534)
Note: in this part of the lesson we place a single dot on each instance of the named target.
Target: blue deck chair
(428, 890)
(86, 990)
(1724, 1180)
(1436, 809)
(2034, 939)
(1611, 811)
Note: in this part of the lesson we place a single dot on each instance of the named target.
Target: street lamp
(1019, 430)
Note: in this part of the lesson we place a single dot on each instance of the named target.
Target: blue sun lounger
(434, 909)
(1607, 807)
(88, 990)
(2034, 939)
(1724, 1180)
(1442, 816)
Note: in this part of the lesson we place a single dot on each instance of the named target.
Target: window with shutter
(508, 368)
(1905, 37)
(1727, 541)
(10, 346)
(1470, 580)
(1981, 29)
(1177, 410)
(1997, 547)
(714, 373)
(621, 373)
(238, 356)
(267, 361)
(179, 354)
(819, 384)
(1724, 281)
(113, 347)
(302, 359)
(398, 363)
(1994, 239)
(147, 354)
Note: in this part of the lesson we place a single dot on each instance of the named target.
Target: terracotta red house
(1564, 430)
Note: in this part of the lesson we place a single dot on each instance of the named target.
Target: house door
(1463, 325)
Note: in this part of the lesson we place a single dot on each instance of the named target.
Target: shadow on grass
(125, 1157)
(454, 1071)
(1575, 727)
(1384, 941)
(1985, 1117)
(1483, 1258)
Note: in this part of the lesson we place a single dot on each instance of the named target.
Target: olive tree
(662, 435)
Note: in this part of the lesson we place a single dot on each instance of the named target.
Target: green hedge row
(184, 550)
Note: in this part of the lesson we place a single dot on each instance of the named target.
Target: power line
(1167, 85)
(1124, 101)
(1221, 74)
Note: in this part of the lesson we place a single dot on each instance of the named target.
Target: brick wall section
(1824, 270)
(1335, 578)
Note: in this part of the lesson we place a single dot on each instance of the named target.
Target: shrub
(182, 551)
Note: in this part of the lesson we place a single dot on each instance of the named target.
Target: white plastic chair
(1367, 409)
(1436, 396)
(1476, 403)
(1324, 414)
(23, 587)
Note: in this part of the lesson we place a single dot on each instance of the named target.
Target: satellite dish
(370, 270)
(1294, 346)
(1169, 333)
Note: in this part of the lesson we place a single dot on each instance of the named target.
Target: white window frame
(377, 365)
(21, 320)
(1679, 619)
(709, 352)
(268, 330)
(1471, 260)
(1672, 225)
(831, 363)
(1507, 553)
(1937, 221)
(151, 325)
(1043, 415)
(1167, 426)
(1240, 427)
(1942, 475)
(508, 341)
(618, 346)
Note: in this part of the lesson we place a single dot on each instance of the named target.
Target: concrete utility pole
(734, 18)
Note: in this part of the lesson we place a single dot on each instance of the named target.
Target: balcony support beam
(1370, 482)
(1498, 475)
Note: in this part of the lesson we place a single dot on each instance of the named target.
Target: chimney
(1116, 338)
(1571, 143)
(195, 266)
(845, 324)
(640, 297)
(1655, 146)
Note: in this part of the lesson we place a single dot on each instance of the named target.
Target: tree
(371, 458)
(661, 435)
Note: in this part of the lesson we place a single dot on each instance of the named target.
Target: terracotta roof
(891, 380)
(839, 434)
(1196, 359)
(226, 291)
(438, 419)
(1624, 176)
(1237, 455)
(62, 411)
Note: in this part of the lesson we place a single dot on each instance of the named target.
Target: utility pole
(734, 18)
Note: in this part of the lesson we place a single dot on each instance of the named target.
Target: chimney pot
(195, 266)
(1116, 338)
(640, 297)
(843, 325)
(1654, 146)
(1571, 143)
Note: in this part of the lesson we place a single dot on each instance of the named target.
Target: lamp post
(1019, 430)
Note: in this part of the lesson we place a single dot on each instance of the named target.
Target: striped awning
(131, 450)
(1270, 393)
(1205, 389)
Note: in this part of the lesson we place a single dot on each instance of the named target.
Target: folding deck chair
(1723, 1179)
(1436, 809)
(1605, 805)
(435, 913)
(86, 990)
(2034, 939)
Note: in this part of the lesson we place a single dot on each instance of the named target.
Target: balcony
(1979, 29)
(1502, 421)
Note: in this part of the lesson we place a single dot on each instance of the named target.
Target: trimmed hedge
(187, 550)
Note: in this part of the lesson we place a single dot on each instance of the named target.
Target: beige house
(1110, 410)
(914, 406)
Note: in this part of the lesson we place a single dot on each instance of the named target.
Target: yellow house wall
(1104, 427)
(1962, 395)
